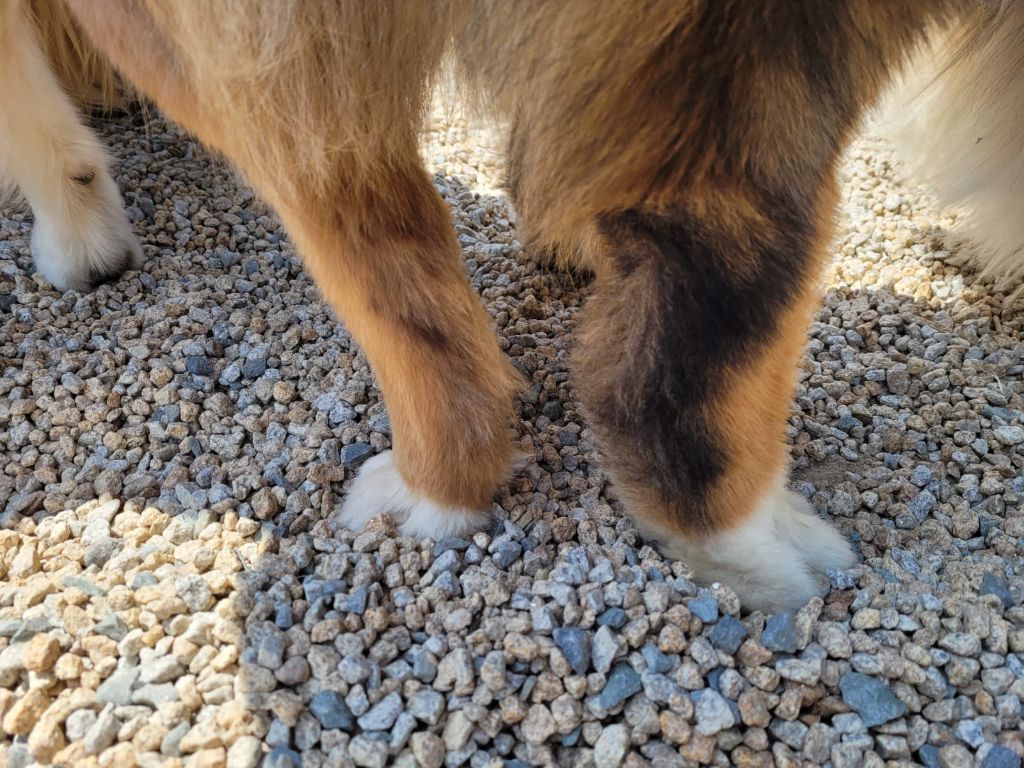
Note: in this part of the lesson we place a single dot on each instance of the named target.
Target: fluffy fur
(84, 73)
(380, 489)
(779, 557)
(955, 118)
(685, 150)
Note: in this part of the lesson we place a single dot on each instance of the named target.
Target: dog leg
(391, 267)
(326, 129)
(692, 149)
(685, 366)
(81, 236)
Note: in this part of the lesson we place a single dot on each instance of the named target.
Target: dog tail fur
(956, 119)
(86, 74)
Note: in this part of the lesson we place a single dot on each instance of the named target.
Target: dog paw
(91, 241)
(777, 559)
(821, 546)
(380, 489)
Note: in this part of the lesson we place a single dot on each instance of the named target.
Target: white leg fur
(955, 119)
(778, 558)
(81, 236)
(380, 489)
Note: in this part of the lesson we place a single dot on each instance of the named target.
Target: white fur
(778, 558)
(380, 489)
(955, 119)
(81, 232)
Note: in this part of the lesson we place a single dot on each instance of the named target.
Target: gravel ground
(173, 447)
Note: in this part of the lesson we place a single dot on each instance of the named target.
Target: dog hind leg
(685, 366)
(692, 149)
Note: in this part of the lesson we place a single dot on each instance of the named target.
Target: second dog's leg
(81, 235)
(686, 367)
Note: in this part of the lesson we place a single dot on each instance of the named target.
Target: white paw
(90, 241)
(778, 559)
(822, 547)
(380, 489)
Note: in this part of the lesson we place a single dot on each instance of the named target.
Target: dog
(685, 149)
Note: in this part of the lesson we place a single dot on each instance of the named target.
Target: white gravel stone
(611, 747)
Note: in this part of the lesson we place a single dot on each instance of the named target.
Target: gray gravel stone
(102, 732)
(704, 608)
(780, 633)
(155, 695)
(574, 643)
(383, 714)
(713, 713)
(870, 698)
(117, 689)
(282, 757)
(1001, 757)
(611, 747)
(331, 709)
(728, 634)
(170, 745)
(622, 683)
(78, 724)
(603, 649)
(992, 584)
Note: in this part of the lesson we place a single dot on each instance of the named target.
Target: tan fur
(448, 388)
(85, 73)
(338, 164)
(755, 400)
(304, 96)
(686, 149)
(614, 118)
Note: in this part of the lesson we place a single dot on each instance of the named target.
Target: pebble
(870, 698)
(1009, 435)
(574, 643)
(780, 633)
(170, 744)
(961, 643)
(160, 670)
(428, 749)
(604, 647)
(117, 689)
(382, 715)
(427, 705)
(155, 695)
(622, 683)
(102, 732)
(1001, 757)
(991, 584)
(713, 713)
(244, 753)
(611, 747)
(704, 608)
(727, 634)
(41, 653)
(613, 618)
(368, 752)
(331, 709)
